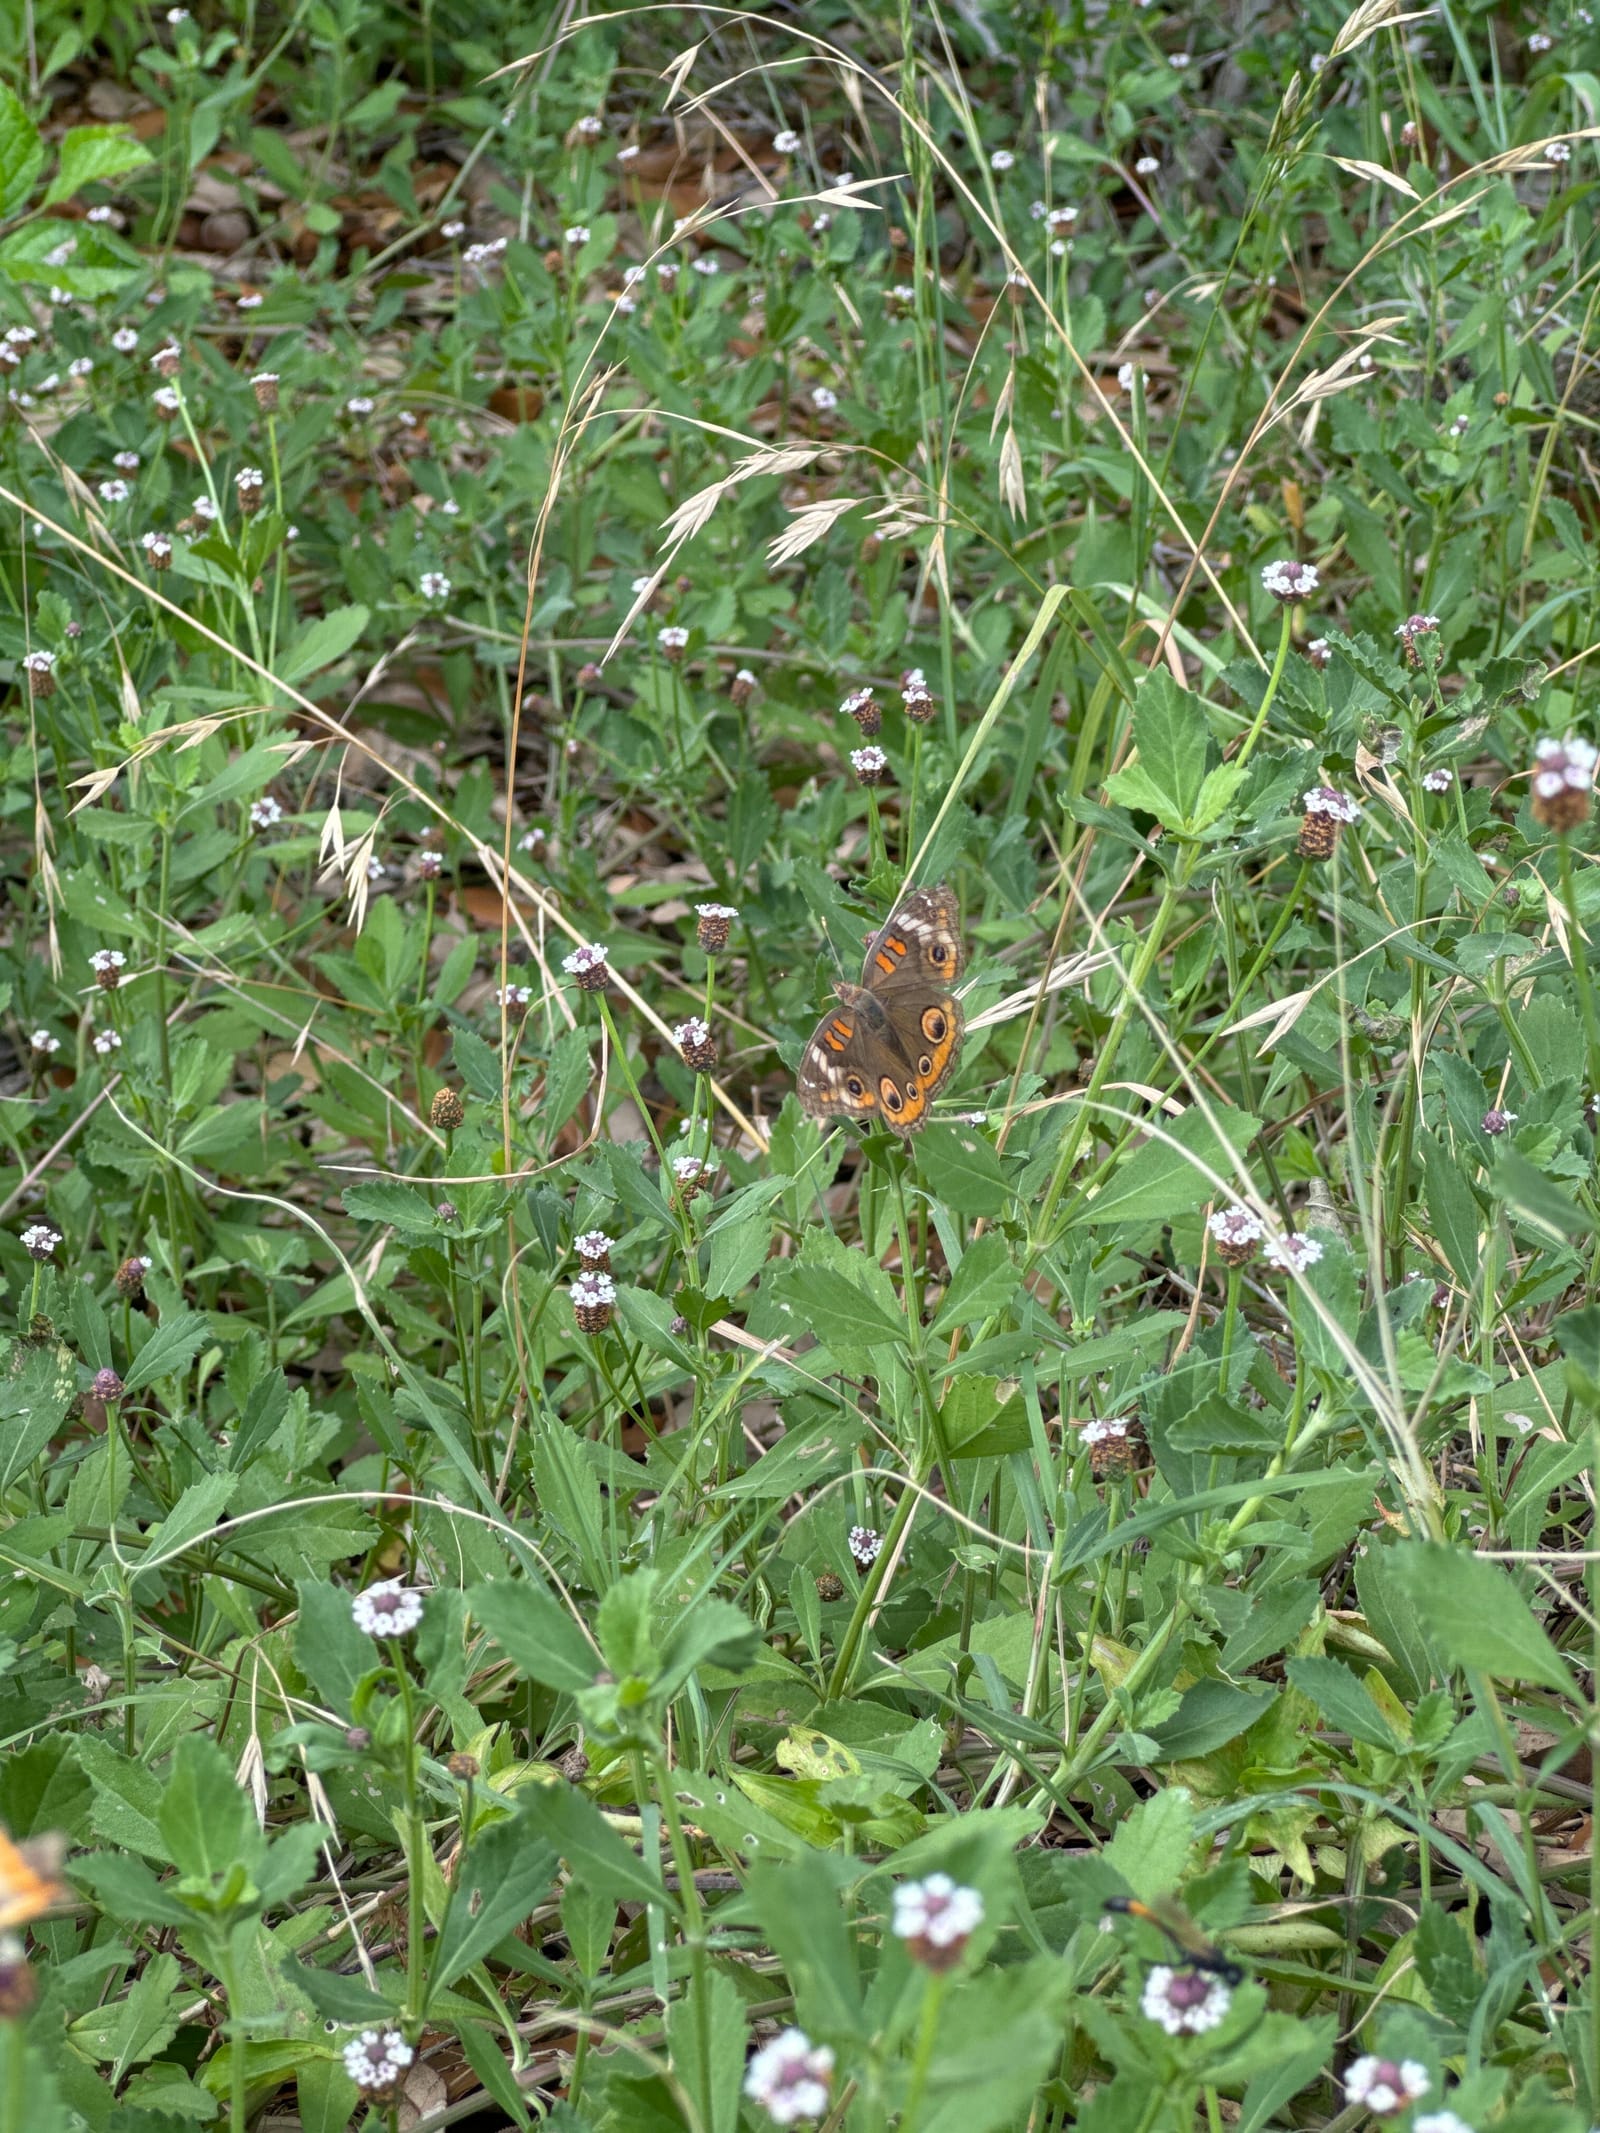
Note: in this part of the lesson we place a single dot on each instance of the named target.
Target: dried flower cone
(1237, 1254)
(130, 1280)
(447, 1111)
(715, 921)
(1318, 836)
(1116, 1456)
(830, 1586)
(1562, 811)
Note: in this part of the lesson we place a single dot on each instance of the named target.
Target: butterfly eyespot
(893, 1101)
(925, 1064)
(935, 1026)
(855, 1086)
(911, 1092)
(940, 951)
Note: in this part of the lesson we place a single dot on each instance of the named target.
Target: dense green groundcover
(546, 1581)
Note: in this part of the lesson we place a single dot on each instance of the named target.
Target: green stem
(844, 1663)
(417, 1851)
(1259, 723)
(1578, 951)
(927, 2039)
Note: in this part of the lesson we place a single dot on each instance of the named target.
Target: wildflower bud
(742, 688)
(1113, 1443)
(594, 1298)
(265, 387)
(107, 1385)
(447, 1211)
(1410, 630)
(1563, 782)
(690, 1176)
(166, 403)
(1186, 2003)
(447, 1111)
(387, 1609)
(107, 965)
(830, 1586)
(461, 1765)
(40, 668)
(588, 966)
(1495, 1122)
(1327, 811)
(429, 866)
(790, 2078)
(376, 2062)
(864, 708)
(18, 1988)
(866, 1545)
(936, 1919)
(158, 549)
(251, 485)
(40, 1240)
(1319, 651)
(715, 923)
(870, 765)
(1409, 135)
(699, 1048)
(1290, 581)
(129, 1278)
(573, 1765)
(1237, 1233)
(594, 1250)
(1385, 2087)
(677, 1325)
(166, 360)
(672, 641)
(919, 705)
(590, 676)
(358, 1738)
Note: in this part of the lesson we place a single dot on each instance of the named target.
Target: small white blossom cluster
(592, 1290)
(389, 1609)
(1185, 2003)
(40, 1241)
(1106, 1429)
(516, 996)
(1567, 765)
(866, 1545)
(434, 585)
(265, 813)
(1328, 800)
(935, 1918)
(1292, 1254)
(789, 2078)
(1237, 1227)
(377, 2058)
(594, 1244)
(583, 962)
(1385, 2086)
(1290, 580)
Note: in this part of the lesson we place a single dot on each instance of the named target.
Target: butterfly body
(892, 1042)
